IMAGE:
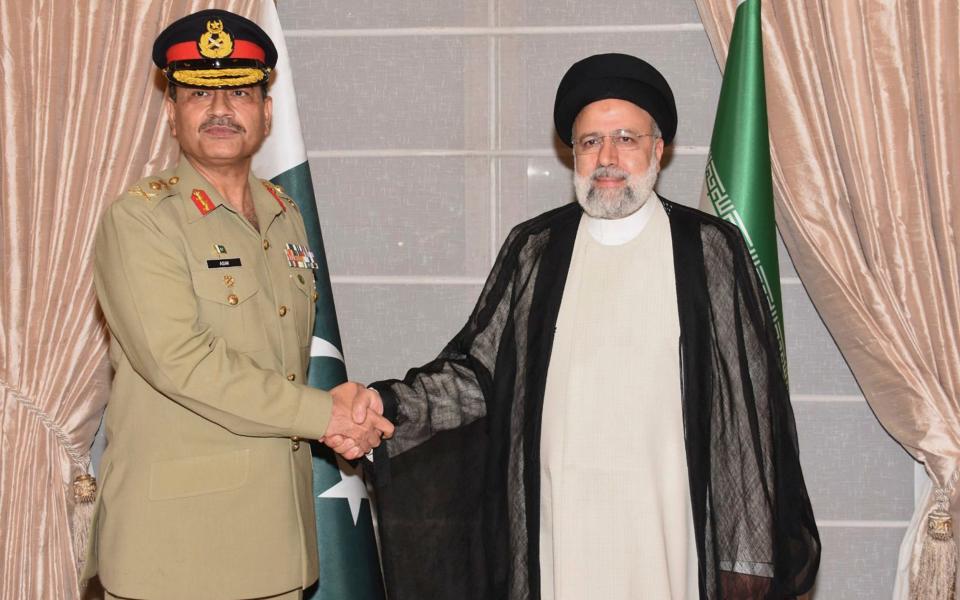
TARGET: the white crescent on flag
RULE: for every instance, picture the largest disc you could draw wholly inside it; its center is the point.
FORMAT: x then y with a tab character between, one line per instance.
321	347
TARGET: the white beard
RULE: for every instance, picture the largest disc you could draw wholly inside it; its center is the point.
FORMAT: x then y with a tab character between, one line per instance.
616	203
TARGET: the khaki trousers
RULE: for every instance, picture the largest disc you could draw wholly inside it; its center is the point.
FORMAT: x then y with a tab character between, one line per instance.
292	595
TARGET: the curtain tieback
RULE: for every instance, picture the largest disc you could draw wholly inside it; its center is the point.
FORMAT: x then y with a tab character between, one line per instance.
84	485
935	578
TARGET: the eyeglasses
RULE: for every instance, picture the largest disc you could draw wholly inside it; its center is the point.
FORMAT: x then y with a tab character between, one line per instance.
623	140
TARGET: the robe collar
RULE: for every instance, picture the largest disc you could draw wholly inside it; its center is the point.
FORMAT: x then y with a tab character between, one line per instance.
616	232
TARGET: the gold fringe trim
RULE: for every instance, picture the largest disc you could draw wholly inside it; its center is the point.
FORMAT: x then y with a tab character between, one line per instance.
935	578
217	77
84	494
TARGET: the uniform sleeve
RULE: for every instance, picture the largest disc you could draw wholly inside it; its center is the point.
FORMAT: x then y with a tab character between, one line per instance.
147	296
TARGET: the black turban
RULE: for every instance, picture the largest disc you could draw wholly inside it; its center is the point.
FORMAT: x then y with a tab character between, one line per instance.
619	76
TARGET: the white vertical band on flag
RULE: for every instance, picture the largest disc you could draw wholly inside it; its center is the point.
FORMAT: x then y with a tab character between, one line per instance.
284	148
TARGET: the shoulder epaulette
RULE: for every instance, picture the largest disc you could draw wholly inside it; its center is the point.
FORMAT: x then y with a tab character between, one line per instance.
153	188
278	193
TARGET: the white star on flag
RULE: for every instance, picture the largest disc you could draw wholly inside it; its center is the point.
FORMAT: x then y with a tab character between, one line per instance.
351	487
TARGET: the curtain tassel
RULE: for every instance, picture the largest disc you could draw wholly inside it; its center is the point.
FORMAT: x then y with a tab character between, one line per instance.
935	578
84	494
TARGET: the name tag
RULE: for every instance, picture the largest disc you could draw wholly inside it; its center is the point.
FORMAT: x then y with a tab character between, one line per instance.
219	263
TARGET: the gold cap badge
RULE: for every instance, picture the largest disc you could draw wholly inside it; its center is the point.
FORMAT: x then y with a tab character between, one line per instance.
215	43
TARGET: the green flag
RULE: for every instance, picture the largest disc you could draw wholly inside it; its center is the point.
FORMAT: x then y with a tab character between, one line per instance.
349	564
738	184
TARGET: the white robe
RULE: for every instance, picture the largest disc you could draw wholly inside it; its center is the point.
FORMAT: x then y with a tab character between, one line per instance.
615	516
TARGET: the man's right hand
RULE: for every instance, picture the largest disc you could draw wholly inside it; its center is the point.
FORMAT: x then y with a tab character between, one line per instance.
356	424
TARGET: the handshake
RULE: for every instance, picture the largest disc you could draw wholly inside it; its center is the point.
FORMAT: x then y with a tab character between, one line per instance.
356	423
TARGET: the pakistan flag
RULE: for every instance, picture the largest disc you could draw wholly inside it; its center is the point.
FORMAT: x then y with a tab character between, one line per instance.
349	567
738	184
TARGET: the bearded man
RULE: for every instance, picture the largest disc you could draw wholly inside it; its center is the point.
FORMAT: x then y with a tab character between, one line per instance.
612	421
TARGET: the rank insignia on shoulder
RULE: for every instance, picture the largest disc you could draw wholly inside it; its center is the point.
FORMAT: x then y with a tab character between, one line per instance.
139	191
300	257
202	201
273	192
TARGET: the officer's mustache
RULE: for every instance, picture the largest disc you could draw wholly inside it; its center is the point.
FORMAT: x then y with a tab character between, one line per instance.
222	122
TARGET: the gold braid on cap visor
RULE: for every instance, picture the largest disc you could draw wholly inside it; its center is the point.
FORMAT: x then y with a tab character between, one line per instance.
239	76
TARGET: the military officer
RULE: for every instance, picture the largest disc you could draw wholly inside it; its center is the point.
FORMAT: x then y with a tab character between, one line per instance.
206	281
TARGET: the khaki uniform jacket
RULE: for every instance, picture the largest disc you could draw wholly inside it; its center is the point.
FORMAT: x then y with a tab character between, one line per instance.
203	493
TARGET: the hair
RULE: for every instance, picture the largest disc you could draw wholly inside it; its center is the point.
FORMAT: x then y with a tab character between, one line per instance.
172	90
656	130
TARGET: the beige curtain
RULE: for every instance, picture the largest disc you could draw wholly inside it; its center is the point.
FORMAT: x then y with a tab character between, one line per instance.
79	120
863	98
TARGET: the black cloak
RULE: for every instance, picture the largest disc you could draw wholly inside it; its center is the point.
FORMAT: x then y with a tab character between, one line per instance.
458	485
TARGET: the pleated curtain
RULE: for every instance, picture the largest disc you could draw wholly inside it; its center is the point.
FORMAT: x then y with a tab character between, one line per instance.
863	99
80	119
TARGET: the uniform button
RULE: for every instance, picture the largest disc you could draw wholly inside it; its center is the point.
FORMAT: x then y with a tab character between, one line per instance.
232	299
314	295
283	311
174	180
295	442
266	244
291	376
155	185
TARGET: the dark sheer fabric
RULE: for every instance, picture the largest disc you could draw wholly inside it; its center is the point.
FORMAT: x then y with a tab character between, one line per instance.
458	486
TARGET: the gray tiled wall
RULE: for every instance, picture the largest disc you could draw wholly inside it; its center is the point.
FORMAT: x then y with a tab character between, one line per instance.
429	128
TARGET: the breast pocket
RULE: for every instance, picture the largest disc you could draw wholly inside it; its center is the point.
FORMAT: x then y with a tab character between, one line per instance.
304	303
228	301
